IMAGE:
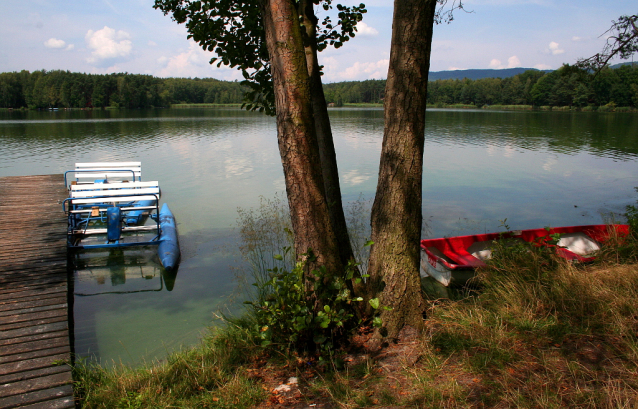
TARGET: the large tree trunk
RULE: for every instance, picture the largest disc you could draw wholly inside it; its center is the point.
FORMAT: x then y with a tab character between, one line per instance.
323	129
396	212
296	136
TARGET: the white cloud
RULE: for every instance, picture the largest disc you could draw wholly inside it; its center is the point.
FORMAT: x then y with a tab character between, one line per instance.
195	62
555	49
152	43
354	178
365	30
108	44
495	64
54	43
576	38
542	67
512	62
366	70
456	68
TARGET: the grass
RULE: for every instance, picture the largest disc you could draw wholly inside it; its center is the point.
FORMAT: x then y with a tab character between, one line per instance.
535	332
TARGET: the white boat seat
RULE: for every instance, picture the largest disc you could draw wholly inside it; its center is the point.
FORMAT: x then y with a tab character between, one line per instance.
108	170
114	189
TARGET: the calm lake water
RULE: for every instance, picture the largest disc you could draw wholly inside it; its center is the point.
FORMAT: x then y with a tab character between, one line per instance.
534	168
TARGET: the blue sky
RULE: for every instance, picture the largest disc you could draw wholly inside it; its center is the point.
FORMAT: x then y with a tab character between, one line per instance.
105	36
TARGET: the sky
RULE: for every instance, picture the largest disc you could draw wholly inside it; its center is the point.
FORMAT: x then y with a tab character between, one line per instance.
108	36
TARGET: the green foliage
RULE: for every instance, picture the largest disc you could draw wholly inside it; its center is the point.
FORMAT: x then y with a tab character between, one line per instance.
63	89
234	29
567	86
632	219
305	312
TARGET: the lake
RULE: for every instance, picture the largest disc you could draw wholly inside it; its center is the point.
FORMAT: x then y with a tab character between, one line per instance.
534	169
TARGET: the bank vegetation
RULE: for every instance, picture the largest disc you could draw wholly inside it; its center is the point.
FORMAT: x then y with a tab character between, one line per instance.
568	88
531	331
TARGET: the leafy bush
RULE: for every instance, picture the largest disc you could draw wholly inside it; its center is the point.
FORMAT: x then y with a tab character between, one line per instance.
305	314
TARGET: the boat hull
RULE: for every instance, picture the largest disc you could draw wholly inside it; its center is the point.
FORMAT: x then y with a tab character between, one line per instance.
453	260
168	249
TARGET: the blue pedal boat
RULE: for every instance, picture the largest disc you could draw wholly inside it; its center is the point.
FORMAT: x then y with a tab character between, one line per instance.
106	214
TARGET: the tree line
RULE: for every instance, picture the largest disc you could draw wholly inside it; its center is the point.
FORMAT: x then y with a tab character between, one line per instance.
64	89
567	86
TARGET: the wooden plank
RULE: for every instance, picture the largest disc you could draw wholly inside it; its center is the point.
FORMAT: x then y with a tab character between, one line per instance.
66	402
15	294
37	396
34	314
37	354
8	351
7	308
34	373
25	324
32	331
40	307
33	363
31	337
44	382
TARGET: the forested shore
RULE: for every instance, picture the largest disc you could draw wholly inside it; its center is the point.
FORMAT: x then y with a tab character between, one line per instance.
566	87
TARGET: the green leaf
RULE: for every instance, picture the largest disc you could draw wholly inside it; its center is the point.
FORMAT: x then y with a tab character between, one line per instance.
368	243
326	308
377	322
374	303
278	257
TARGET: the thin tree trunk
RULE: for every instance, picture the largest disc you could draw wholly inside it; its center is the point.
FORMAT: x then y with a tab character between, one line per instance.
296	136
396	212
323	130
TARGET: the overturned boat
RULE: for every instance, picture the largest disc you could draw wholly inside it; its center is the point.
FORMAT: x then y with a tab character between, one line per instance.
453	260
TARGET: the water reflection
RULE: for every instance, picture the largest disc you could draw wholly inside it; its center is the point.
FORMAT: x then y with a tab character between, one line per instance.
533	168
119	271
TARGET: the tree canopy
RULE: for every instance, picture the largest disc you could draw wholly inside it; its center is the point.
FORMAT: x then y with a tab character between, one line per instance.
622	40
233	30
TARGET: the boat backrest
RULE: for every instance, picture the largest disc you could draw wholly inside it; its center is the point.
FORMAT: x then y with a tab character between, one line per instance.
116	171
114	192
115	189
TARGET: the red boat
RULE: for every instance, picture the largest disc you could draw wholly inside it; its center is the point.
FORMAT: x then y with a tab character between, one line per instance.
453	260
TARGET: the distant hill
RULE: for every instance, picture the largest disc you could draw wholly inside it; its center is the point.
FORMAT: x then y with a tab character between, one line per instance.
623	63
476	74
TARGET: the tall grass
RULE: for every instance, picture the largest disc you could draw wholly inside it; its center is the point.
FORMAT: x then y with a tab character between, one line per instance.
544	333
211	375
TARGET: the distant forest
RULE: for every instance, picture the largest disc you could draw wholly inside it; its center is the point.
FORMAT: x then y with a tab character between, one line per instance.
566	87
64	89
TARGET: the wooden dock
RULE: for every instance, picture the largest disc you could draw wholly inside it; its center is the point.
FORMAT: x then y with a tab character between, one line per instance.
35	349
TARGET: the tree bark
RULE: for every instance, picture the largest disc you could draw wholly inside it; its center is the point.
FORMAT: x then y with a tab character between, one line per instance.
396	212
323	130
296	136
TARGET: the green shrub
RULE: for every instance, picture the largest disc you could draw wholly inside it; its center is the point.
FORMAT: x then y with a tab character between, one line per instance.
308	314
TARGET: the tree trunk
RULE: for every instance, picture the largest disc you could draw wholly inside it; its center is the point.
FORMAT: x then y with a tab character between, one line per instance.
323	130
296	136
396	212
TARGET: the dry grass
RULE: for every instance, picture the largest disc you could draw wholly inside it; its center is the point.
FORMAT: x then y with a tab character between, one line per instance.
538	333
